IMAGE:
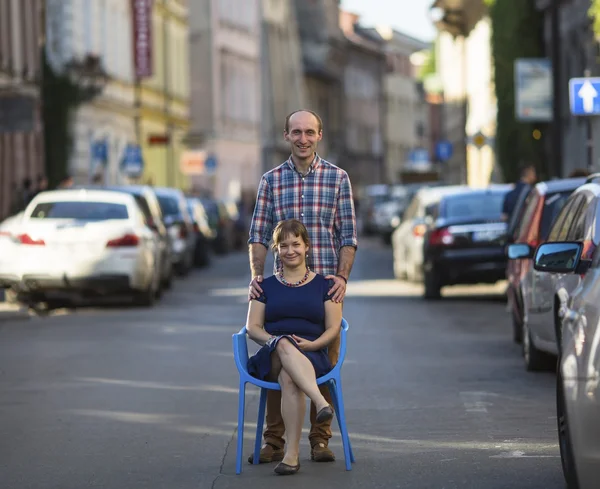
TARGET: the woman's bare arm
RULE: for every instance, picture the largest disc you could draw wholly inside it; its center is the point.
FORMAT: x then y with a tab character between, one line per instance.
255	322
333	324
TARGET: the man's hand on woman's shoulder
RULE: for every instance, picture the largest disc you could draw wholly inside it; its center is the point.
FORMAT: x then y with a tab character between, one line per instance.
254	289
338	290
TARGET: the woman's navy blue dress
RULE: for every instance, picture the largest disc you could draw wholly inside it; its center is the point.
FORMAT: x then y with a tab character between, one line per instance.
293	310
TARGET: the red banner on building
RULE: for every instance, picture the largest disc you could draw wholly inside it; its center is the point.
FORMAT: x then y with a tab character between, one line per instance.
141	11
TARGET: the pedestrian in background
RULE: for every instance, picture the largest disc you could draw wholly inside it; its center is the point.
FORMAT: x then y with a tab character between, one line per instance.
318	194
528	177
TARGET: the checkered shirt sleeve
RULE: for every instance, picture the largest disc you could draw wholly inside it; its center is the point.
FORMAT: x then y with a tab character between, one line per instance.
261	227
345	218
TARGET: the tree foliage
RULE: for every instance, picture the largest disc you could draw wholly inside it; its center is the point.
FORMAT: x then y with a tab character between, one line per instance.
594	13
60	98
516	33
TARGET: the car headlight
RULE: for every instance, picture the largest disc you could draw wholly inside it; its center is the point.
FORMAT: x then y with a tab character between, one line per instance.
395	221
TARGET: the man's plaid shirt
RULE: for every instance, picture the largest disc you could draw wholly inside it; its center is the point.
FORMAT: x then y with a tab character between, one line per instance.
321	200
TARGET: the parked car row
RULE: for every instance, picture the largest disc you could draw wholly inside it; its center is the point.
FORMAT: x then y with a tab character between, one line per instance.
554	298
550	255
93	241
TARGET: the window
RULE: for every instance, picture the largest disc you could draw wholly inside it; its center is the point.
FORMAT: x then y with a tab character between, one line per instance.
525	221
563	222
578	230
552	206
479	205
80	210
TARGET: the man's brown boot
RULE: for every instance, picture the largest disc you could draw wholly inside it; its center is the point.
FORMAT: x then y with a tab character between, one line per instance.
320	452
268	453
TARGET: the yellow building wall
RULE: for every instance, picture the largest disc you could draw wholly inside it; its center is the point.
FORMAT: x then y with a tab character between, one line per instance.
165	97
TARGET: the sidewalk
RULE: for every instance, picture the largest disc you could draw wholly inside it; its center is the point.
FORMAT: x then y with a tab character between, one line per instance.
9	312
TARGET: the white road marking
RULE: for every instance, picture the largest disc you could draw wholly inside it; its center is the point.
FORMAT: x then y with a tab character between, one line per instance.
521	454
474	401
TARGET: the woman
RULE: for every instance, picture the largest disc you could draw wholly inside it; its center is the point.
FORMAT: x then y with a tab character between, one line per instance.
295	320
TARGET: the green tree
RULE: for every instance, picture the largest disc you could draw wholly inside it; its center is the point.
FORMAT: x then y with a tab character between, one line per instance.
594	13
59	96
516	33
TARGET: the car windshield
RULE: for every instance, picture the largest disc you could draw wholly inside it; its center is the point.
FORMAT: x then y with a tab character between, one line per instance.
169	206
80	210
476	205
552	206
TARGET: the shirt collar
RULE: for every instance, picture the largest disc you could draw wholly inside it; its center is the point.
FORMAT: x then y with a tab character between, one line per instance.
315	162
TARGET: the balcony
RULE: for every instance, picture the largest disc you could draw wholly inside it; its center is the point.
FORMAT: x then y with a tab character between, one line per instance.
458	17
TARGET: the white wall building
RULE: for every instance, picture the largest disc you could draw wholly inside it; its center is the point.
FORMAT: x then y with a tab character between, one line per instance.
406	110
225	62
103	28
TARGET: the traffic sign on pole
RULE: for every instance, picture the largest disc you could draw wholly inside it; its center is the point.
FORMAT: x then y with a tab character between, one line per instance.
584	96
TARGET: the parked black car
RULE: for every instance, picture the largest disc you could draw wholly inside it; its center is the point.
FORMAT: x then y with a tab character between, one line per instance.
464	241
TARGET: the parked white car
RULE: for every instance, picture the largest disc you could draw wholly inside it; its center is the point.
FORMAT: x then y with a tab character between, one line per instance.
89	242
9	229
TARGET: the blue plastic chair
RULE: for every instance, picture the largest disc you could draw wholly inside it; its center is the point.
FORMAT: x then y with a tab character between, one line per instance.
333	379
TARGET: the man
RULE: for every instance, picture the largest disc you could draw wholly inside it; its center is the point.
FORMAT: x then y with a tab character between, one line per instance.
312	190
527	179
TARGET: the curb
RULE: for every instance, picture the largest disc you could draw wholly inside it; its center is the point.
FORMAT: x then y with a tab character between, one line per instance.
11	312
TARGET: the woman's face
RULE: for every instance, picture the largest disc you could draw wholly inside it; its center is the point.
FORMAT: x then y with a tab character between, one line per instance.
292	250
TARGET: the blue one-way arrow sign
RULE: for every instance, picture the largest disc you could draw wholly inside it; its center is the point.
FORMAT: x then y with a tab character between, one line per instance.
584	95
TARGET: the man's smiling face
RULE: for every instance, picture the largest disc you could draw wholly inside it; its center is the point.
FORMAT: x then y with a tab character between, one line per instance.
303	134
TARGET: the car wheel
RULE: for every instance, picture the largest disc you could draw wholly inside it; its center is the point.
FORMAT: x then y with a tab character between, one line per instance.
564	436
535	360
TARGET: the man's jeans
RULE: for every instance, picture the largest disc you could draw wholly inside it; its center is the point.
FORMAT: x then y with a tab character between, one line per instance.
319	432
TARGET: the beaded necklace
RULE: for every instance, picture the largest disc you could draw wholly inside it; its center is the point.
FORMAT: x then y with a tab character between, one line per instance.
295	284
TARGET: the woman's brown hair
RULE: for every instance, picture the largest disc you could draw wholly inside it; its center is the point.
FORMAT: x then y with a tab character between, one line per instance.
290	227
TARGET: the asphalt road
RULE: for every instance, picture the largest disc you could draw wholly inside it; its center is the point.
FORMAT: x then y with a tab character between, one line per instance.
436	393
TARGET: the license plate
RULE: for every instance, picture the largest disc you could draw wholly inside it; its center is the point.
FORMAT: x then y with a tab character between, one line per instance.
485	235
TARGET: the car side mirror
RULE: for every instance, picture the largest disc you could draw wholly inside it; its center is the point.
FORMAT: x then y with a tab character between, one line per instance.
518	251
558	257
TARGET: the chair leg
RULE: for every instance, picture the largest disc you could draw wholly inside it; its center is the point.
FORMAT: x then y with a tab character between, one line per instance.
338	400
259	425
240	431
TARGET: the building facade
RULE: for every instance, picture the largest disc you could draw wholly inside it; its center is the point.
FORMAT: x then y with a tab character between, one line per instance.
151	113
77	31
225	60
463	54
283	87
406	110
21	129
164	97
577	51
364	115
323	61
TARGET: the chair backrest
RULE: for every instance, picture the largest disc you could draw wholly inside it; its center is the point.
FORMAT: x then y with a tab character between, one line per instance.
240	350
343	333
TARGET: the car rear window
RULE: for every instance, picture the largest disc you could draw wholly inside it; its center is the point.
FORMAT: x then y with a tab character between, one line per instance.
81	210
552	206
169	206
488	205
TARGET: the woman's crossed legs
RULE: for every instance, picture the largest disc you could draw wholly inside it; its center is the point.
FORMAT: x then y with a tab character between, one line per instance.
296	376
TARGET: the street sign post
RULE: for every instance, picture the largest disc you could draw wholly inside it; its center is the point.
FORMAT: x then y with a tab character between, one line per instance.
584	98
132	163
584	95
443	150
